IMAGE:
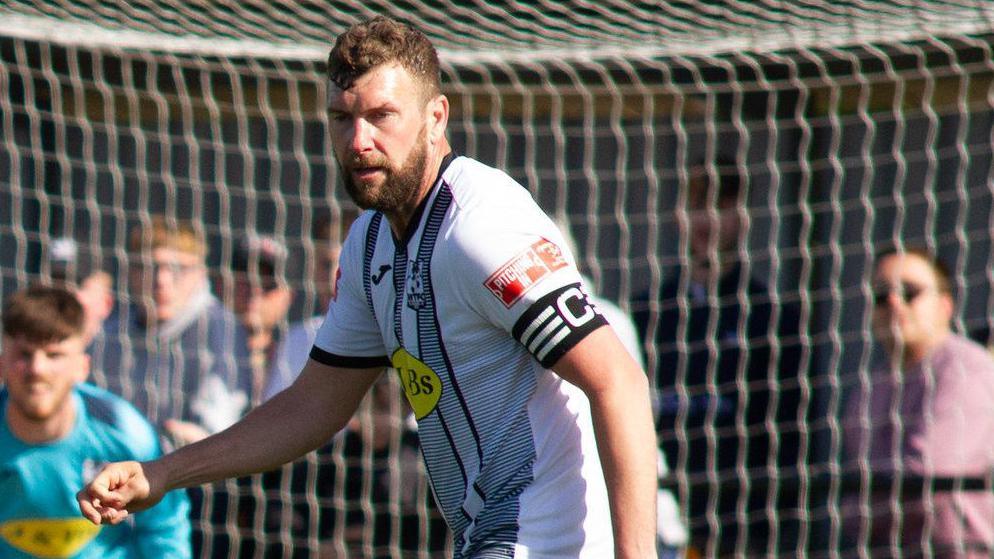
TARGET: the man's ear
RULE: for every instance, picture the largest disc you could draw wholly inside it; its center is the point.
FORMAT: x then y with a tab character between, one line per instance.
84	368
948	306
438	118
106	304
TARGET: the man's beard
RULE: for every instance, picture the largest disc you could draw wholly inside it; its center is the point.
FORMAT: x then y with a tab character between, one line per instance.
399	187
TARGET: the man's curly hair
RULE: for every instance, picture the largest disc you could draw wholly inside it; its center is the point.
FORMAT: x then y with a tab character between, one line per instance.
382	40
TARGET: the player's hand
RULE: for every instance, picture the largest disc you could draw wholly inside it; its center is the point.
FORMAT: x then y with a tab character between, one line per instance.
118	490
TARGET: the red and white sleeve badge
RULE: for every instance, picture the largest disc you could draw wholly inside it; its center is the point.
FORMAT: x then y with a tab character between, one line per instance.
525	270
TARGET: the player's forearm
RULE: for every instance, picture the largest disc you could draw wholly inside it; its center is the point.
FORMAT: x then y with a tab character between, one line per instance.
627	445
259	442
289	425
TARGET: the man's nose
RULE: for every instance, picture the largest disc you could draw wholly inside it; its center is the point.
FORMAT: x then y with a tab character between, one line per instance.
37	363
362	136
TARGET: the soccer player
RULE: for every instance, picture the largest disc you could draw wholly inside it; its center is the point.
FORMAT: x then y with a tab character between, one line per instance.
534	420
54	433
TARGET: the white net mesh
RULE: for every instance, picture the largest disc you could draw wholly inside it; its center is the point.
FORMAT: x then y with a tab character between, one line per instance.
849	124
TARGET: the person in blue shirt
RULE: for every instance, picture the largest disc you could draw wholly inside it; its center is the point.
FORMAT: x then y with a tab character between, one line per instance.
56	431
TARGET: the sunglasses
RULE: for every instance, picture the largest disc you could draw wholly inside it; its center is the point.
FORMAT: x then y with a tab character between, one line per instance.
908	292
263	280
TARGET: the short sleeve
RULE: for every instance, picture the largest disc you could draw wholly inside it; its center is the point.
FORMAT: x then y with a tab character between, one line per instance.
350	335
521	277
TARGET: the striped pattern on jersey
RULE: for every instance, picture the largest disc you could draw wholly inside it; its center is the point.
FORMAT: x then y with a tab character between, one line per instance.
448	436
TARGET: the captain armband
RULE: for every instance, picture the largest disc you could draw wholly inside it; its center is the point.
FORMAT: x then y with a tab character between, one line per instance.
557	322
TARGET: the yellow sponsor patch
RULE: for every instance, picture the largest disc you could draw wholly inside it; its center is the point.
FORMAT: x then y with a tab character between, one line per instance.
49	537
422	386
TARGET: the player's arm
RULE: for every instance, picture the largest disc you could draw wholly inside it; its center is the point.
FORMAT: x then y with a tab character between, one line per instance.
618	391
296	421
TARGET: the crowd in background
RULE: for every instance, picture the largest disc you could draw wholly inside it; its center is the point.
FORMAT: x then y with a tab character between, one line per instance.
195	348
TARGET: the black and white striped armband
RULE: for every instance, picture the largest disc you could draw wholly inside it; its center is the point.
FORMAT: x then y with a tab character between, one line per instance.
557	322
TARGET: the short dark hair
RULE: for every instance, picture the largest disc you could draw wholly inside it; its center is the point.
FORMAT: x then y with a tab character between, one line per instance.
264	255
382	40
43	314
944	278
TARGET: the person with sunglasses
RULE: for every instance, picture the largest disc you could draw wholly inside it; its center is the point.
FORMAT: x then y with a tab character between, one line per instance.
923	422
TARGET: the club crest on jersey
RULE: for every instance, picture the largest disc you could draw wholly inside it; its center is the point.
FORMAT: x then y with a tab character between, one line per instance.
416	297
524	270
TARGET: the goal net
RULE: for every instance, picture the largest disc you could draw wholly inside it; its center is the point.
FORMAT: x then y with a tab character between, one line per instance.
847	126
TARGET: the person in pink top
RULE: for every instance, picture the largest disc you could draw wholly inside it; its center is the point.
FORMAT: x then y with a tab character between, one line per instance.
925	419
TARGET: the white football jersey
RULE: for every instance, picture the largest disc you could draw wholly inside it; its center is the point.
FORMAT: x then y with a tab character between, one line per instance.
471	307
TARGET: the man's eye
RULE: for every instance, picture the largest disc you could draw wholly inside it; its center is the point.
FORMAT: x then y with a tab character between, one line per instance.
379	115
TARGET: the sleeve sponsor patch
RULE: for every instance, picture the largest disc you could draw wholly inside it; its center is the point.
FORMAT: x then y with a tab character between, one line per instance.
556	323
523	271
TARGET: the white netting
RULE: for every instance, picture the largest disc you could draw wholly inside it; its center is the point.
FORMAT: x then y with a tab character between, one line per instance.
851	124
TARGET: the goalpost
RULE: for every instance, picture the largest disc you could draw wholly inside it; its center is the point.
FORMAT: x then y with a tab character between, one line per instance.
852	124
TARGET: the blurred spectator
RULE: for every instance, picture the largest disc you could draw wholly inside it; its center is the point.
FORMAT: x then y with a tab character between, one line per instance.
726	359
328	233
94	287
261	299
928	412
175	351
56	430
